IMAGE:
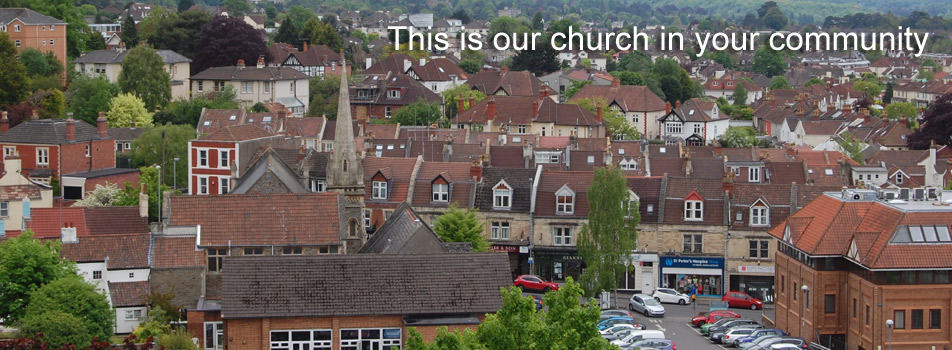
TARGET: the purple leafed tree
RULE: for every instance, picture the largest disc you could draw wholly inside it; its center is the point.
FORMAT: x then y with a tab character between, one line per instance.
224	40
936	125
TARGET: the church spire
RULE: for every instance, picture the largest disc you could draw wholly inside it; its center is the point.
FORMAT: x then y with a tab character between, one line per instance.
345	170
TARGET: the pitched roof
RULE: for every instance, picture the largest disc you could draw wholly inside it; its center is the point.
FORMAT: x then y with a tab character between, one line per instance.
552	181
27	16
456	175
506	157
260	219
169	252
520	180
697	110
629	97
129	293
514	83
362	284
49	132
127	251
18	192
250	73
404	232
116	56
309	127
88	221
125	134
236	133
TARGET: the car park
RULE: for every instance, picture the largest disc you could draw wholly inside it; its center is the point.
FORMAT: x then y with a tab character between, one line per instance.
616	328
733	334
610	322
712	317
616	313
728	324
797	342
661	344
705	328
742	300
717	335
773	332
762	341
644	304
670	296
534	283
638	335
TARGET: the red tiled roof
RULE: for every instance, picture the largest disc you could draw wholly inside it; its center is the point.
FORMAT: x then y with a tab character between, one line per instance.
382	131
305	127
260	219
123	251
238	133
129	293
170	252
629	97
47	222
457	174
396	170
506	157
213	120
552	181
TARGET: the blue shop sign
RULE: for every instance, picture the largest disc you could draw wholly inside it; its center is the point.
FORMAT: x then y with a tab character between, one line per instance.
692	262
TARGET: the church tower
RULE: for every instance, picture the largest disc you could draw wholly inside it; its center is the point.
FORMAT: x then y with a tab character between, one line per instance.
345	173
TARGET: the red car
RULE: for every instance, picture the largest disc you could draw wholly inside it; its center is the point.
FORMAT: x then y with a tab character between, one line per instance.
741	299
534	283
712	317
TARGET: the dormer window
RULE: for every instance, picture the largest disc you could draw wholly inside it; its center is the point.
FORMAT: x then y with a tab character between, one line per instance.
759	214
393	93
565	201
753	174
441	190
693	207
379	190
899	178
502	196
714	83
631	206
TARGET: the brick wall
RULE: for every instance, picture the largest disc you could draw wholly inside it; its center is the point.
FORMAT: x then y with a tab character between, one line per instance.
74	159
255	333
28	157
120	179
33	36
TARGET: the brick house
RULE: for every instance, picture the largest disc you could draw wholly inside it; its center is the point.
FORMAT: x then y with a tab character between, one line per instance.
561	209
376	298
49	148
504	204
379	97
640	107
847	263
217	160
313	61
31	29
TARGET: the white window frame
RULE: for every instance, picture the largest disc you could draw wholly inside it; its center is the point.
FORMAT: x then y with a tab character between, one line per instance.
379	343
565	201
319	186
88	151
563	236
311	343
17	43
223	185
224	159
9	151
693	210
521	129
500	230
202	185
502	197
200	86
217	341
388	112
133	315
247	87
393	94
379	190
441	192
267	87
753	174
43	156
698	128
673	127
759	215
202	158
16	28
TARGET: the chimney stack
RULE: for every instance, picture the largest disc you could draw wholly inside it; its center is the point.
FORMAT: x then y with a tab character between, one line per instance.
903	121
677	104
305	47
503	70
70	127
102	125
4	122
598	112
406	65
615	82
241	63
260	62
667	107
472	100
423	61
459	105
535	110
476	171
143	201
491	109
34	115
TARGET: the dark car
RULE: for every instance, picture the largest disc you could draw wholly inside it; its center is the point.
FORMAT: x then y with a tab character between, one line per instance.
660	344
534	283
615	313
608	322
741	299
773	332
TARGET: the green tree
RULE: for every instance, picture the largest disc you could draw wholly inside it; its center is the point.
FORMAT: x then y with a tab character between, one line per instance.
130	33
517	322
740	95
452	95
457	225
127	110
57	328
87	96
541	61
73	296
870	88
287	33
926	75
323	91
13	74
258	108
739	137
176	339
39	64
618	126
775	19
184	5
147	150
852	147
538	23
612	230
26	264
148	27
143	75
470	66
177	32
888	95
322	33
897	109
577	86
768	62
813	81
51	102
419	113
187	111
237	8
779	83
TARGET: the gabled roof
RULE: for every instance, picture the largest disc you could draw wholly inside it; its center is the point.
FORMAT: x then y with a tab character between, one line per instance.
519	179
629	97
49	132
126	294
238	133
553	181
363	285
395	63
265	162
125	251
116	56
27	16
514	83
249	73
260	219
125	134
396	170
404	232
457	175
88	221
309	127
696	110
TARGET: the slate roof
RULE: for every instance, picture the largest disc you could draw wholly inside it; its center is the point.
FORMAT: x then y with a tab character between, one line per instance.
514	83
125	134
506	157
309	127
552	181
27	16
678	188
169	252
362	284
648	190
48	132
410	91
404	229
129	251
629	97
126	294
89	221
115	56
260	219
250	73
396	170
519	179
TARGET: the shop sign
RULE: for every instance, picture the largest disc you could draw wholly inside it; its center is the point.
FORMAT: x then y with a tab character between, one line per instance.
523	250
692	262
567	257
504	248
756	269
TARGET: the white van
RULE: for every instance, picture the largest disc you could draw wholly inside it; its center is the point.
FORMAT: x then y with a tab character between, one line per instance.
639	335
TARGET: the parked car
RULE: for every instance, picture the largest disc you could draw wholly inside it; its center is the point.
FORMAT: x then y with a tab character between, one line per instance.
717	331
660	344
616	313
741	299
705	328
538	302
644	304
670	296
618	328
637	336
773	332
784	346
712	317
534	283
610	322
730	335
765	343
620	334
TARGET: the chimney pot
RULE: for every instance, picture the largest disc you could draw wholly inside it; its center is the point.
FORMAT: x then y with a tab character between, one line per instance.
667	107
903	120
598	112
70	128
472	100
102	125
241	63
535	110
460	107
261	62
34	115
677	104
4	122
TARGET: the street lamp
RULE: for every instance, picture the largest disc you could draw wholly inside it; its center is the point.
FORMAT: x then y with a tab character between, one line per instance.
174	175
803	307
889	324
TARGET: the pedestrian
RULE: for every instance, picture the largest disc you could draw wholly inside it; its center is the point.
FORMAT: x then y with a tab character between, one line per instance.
693	291
700	288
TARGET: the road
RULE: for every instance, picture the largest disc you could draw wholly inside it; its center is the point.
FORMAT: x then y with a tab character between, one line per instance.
676	324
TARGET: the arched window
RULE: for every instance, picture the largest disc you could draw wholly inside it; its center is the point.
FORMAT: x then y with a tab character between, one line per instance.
344	165
352	226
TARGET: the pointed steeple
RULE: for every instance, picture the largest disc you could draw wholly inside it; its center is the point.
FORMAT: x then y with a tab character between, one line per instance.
345	170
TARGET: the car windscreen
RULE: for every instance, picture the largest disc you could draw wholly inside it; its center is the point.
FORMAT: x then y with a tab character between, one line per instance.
651	302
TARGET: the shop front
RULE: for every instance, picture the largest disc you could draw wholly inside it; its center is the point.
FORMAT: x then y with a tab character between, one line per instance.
518	258
557	264
756	280
642	273
686	273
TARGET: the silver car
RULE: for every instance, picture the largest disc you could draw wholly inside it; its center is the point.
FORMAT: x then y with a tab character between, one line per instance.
645	304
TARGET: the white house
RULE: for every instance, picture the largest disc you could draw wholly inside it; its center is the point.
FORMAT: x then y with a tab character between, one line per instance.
18	194
259	83
697	122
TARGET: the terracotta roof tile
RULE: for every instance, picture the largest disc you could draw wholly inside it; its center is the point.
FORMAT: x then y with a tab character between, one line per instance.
169	252
552	181
238	133
507	157
461	186
129	293
630	98
397	171
47	222
123	251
